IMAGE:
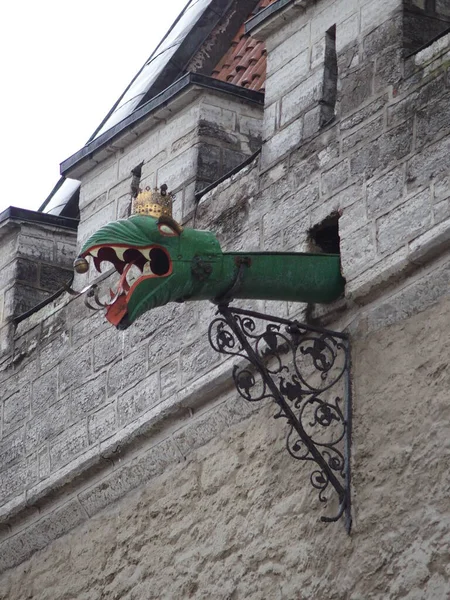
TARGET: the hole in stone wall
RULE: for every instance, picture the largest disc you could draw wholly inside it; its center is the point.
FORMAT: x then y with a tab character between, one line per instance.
136	175
423	22
324	237
330	77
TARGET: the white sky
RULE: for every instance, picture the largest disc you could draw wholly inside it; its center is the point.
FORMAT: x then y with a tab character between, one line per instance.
63	65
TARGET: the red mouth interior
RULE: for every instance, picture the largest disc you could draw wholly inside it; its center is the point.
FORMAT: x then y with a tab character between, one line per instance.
151	261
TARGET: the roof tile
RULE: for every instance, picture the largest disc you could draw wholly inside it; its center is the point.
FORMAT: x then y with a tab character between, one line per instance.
244	63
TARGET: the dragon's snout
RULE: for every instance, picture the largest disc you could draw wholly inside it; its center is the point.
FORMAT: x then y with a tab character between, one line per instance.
134	264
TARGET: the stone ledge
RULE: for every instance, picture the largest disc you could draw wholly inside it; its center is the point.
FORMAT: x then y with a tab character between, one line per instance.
194	396
35	531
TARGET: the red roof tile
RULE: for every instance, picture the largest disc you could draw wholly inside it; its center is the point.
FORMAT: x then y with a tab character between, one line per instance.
244	63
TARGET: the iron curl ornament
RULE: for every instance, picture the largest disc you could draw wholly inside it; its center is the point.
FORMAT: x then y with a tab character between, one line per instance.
305	370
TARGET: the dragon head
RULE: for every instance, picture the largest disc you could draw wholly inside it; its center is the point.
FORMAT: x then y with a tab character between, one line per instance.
158	262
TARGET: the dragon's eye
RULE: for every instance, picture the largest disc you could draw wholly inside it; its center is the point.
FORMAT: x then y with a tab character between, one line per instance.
167	230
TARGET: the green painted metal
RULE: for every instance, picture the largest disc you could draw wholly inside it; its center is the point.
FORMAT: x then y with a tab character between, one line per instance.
198	269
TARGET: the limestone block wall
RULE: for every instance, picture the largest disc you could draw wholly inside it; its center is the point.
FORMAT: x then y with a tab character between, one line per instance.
224	512
162	481
188	150
35	261
381	165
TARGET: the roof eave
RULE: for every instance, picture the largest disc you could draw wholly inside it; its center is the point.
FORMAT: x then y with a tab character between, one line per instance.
272	17
174	98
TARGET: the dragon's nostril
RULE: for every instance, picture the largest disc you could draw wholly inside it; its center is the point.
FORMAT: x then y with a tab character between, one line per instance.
159	262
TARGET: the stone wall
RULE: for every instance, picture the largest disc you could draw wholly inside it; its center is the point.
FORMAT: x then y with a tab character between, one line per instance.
235	516
175	488
188	149
35	261
382	164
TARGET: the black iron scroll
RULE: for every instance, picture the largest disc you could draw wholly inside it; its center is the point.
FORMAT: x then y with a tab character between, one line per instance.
305	370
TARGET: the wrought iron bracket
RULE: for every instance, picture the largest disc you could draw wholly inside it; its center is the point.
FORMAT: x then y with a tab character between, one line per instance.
305	370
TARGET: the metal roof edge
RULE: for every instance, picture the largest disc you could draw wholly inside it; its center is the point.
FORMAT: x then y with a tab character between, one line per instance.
159	101
274	14
32	216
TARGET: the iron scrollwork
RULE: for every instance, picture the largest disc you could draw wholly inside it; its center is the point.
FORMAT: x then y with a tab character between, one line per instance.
305	370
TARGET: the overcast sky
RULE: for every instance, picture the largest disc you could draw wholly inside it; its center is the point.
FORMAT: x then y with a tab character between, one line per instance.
63	66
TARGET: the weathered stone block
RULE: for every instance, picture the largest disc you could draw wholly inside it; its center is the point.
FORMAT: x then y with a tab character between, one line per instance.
283	79
88	396
170	375
281	143
386	192
44	391
127	372
209	162
98	183
416	297
12	447
101	217
270	120
73	367
356	88
431	243
102	423
36	248
138	399
196	359
178	171
18	548
313	120
230	160
365	113
427	165
374	14
352	217
357	251
67	445
26	270
382	37
107	347
41	428
401	224
12	480
16	409
52	352
288	50
302	98
363	134
335	177
129	476
223	117
433	121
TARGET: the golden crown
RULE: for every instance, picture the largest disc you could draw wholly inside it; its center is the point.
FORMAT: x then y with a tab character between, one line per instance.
156	203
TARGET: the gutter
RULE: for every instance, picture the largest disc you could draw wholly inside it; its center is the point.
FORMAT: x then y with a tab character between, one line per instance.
32	216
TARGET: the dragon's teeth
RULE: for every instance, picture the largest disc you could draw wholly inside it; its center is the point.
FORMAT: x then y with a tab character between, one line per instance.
97	264
147	270
145	252
120	251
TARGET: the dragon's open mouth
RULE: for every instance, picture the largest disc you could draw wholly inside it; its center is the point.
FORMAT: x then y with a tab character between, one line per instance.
134	265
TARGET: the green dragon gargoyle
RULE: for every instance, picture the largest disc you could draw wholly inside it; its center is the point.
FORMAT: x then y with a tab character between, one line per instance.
160	262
